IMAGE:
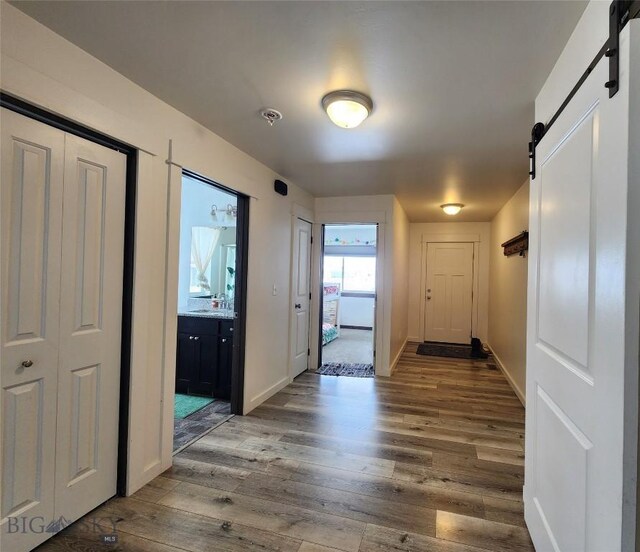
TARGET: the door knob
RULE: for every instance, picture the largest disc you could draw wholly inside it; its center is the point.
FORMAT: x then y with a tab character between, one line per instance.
428	297
224	341
196	338
27	363
190	337
298	306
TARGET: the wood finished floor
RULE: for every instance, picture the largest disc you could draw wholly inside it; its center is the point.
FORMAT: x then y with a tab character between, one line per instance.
430	459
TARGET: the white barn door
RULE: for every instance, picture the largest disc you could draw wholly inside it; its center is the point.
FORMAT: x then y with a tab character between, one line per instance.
576	324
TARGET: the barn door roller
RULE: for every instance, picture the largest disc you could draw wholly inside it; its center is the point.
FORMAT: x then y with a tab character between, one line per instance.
620	13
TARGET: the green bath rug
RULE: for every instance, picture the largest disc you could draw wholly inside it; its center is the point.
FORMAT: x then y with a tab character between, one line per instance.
185	405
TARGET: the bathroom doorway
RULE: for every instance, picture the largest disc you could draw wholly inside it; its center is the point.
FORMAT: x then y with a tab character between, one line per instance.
211	307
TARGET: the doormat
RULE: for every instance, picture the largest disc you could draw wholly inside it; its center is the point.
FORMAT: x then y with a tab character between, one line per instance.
185	405
450	351
347	369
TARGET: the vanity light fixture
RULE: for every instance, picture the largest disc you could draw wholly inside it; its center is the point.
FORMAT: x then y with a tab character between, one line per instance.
229	213
346	108
452	208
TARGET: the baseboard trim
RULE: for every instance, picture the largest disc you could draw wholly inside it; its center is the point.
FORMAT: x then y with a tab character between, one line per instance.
394	364
507	375
266	394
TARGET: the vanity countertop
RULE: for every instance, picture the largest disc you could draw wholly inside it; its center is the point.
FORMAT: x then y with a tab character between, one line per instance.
207	314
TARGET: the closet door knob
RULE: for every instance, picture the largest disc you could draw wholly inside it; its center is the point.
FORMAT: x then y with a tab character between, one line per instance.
196	338
190	337
27	363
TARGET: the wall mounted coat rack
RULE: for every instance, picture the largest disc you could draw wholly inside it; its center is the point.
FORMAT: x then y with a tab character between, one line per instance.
518	245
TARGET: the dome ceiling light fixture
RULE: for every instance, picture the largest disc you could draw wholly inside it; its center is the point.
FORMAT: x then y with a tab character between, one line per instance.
452	208
346	108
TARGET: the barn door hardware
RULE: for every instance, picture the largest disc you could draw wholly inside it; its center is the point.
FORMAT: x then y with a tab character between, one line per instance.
620	13
537	132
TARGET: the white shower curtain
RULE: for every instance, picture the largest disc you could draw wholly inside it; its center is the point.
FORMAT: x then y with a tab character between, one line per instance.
204	240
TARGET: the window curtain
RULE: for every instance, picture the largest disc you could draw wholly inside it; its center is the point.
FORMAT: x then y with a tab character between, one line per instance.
204	240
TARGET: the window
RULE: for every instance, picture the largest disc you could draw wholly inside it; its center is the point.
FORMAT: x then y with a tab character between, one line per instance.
352	273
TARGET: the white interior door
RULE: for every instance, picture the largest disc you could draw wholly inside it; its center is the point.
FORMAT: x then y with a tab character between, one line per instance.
576	324
90	327
31	210
301	295
449	292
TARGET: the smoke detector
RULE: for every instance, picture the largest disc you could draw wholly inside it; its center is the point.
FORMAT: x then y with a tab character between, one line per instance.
270	115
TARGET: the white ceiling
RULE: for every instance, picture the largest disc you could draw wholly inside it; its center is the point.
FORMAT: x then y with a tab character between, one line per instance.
453	85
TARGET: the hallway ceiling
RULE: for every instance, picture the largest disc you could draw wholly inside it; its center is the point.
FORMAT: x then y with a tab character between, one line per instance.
453	85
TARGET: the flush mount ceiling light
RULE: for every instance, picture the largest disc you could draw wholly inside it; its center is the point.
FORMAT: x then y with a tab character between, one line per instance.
452	208
347	108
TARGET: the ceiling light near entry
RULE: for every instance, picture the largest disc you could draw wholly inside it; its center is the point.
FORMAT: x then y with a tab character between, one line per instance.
347	108
452	208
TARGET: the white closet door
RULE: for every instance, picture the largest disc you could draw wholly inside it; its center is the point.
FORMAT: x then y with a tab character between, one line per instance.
31	210
90	327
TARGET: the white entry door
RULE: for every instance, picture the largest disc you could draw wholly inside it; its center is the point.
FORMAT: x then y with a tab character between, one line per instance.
62	272
449	292
301	295
575	412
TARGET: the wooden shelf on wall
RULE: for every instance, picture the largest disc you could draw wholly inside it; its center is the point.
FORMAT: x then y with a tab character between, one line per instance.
517	245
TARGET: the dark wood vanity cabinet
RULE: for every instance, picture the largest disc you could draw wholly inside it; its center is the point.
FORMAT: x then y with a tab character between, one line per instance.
204	355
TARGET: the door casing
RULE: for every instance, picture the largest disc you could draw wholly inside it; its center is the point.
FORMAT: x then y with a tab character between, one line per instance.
240	296
294	276
33	112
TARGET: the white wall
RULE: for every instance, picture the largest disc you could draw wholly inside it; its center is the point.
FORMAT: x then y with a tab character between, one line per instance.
399	281
508	292
416	264
357	311
47	70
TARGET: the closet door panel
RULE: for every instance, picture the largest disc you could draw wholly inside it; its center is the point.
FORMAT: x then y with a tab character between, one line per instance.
90	327
30	249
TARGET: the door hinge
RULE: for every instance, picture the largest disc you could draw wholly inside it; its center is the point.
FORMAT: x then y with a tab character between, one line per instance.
311	239
308	352
309	295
